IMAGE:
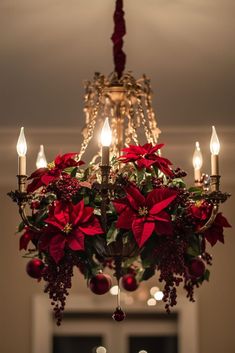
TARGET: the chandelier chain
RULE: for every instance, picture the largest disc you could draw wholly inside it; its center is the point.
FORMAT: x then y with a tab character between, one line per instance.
119	56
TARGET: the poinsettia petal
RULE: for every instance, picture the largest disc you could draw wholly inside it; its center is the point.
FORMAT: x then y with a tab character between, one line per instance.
38	173
56	247
222	221
24	240
120	205
145	163
87	214
47	178
158	199
156	147
161	216
77	212
34	185
138	150
142	230
76	240
135	198
92	228
61	213
125	219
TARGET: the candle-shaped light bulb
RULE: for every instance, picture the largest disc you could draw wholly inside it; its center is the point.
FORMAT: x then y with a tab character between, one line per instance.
197	163
106	134
41	161
214	144
21	148
215	148
106	139
197	157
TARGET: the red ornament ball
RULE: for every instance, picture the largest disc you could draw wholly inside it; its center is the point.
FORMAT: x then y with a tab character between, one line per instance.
197	268
118	314
100	284
129	282
34	268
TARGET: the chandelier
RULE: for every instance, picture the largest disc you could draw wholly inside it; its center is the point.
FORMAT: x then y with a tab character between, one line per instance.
128	213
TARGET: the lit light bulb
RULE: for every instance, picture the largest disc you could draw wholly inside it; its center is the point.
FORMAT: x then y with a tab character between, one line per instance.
215	148
106	134
197	157
214	144
21	146
41	161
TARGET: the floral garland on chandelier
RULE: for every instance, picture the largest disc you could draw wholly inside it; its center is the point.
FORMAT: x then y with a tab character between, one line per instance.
152	214
132	215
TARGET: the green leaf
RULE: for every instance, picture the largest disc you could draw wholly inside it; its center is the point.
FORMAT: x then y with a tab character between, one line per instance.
148	273
178	182
140	175
21	227
207	275
86	200
112	233
196	191
74	172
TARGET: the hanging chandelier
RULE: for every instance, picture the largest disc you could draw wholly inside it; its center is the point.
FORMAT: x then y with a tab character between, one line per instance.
128	213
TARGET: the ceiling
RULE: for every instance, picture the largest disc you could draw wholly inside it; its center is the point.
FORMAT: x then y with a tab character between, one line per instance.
49	47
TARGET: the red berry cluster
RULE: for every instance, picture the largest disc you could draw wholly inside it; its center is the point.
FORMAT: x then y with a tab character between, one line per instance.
65	188
59	280
169	254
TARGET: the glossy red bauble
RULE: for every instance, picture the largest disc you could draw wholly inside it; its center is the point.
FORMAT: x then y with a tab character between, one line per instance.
129	282
34	268
100	284
197	268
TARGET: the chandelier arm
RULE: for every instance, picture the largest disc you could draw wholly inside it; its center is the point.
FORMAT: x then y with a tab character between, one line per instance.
211	220
119	56
25	219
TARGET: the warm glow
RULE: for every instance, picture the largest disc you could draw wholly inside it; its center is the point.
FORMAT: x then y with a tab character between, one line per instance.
214	144
151	302
153	290
159	295
101	349
41	161
21	146
114	290
143	351
197	157
106	134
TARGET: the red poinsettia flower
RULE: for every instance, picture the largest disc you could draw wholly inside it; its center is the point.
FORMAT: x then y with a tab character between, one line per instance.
44	176
68	225
215	232
146	156
144	215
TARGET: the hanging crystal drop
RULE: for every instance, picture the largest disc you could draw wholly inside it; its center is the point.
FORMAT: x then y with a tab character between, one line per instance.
118	314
